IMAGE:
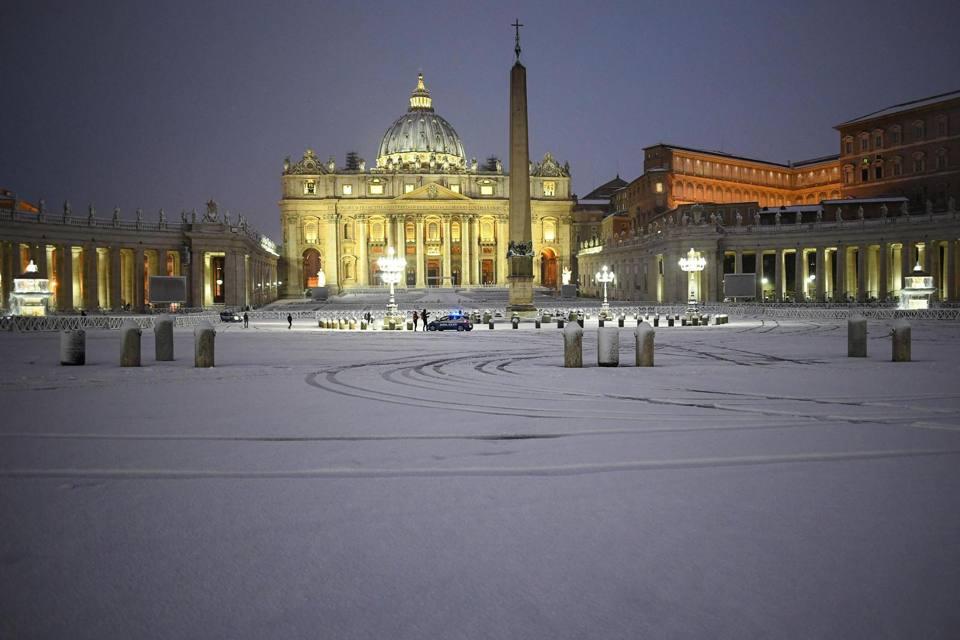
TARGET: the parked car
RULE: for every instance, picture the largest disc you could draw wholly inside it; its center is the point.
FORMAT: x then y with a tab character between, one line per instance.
460	323
230	316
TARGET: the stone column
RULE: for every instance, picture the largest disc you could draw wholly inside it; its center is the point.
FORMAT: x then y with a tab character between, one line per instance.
447	248
466	250
862	273
906	261
778	276
64	277
738	262
521	223
229	278
759	274
115	286
799	279
421	269
331	258
502	242
821	274
196	278
363	267
953	290
90	280
883	259
840	286
138	276
933	266
7	271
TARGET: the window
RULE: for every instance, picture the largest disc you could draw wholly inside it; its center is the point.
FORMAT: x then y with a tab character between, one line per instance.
549	230
486	231
455	187
941	127
455	232
433	232
348	189
878	140
895	135
864	173
941	160
376	189
848	146
346	231
897	167
486	189
410	232
919	164
878	172
407	188
310	187
659	187
376	232
918	130
864	142
549	188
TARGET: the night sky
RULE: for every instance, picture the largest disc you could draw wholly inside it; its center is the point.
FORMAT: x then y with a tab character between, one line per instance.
163	104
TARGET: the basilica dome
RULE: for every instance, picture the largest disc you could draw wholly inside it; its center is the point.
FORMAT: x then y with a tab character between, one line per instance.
421	140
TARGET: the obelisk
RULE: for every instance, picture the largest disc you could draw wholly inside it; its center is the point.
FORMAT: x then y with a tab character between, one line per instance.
520	249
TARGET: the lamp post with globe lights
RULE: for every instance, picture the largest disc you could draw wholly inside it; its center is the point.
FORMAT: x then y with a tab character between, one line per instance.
693	263
604	276
391	267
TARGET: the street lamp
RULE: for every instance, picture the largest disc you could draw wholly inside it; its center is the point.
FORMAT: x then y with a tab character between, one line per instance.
605	276
390	269
693	263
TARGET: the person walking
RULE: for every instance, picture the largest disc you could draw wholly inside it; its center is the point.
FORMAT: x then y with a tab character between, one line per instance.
246	320
416	318
424	315
289	321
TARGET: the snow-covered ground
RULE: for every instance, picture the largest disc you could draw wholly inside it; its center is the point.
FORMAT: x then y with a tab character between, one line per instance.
756	483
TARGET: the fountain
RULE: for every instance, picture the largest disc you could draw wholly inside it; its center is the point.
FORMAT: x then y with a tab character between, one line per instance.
31	293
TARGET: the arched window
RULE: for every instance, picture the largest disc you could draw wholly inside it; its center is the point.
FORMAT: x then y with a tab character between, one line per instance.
376	231
878	138
433	232
864	141
486	230
455	232
941	159
310	232
410	231
942	131
549	230
919	162
848	174
918	130
699	192
848	145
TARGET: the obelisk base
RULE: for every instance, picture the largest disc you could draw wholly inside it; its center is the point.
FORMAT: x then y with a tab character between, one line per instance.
521	287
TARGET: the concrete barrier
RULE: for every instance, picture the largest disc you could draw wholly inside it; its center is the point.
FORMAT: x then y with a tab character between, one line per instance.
130	333
573	346
73	347
644	337
163	338
608	347
856	336
901	340
204	336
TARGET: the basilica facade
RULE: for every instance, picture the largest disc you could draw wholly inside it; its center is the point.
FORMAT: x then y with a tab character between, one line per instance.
447	215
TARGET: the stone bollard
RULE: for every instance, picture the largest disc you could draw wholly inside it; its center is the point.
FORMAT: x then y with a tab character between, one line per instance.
580	321
856	336
515	321
537	323
486	318
203	342
163	338
392	325
901	340
571	316
547	318
644	335
490	324
73	347
600	321
363	325
409	325
572	346
683	321
695	321
620	321
352	325
559	323
608	347
130	344
656	321
669	321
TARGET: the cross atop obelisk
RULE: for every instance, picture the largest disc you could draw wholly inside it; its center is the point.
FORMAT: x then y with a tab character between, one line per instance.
520	248
516	48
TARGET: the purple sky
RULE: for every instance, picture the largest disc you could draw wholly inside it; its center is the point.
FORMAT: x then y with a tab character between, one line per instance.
164	104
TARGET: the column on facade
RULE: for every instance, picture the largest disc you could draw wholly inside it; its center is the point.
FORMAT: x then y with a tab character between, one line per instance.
503	238
932	262
840	286
90	300
821	273
758	270
115	287
906	260
778	276
466	250
363	266
138	276
738	261
7	271
421	275
400	237
64	277
331	257
447	250
799	279
196	279
862	273
953	293
229	278
883	259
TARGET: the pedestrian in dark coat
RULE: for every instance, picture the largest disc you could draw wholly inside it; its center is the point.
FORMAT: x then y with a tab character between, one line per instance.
424	315
246	320
289	321
416	318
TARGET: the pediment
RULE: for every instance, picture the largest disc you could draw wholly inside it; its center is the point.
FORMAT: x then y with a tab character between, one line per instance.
432	191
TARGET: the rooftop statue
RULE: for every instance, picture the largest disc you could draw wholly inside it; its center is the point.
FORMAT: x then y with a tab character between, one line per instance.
212	213
116	216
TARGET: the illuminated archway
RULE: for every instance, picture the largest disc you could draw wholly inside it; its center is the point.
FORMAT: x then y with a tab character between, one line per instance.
548	268
312	263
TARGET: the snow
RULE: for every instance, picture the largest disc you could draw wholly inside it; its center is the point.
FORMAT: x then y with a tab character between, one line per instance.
755	483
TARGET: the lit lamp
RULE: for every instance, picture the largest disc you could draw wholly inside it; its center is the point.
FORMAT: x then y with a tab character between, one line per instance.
693	264
604	276
390	269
